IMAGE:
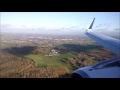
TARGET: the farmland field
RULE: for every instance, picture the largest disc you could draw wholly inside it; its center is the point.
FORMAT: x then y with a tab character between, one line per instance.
23	56
44	61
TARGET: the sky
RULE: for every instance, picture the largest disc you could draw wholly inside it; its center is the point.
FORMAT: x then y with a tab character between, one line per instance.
57	21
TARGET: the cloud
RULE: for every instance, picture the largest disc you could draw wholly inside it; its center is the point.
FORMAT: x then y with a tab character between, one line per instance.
99	25
75	30
105	26
117	29
5	26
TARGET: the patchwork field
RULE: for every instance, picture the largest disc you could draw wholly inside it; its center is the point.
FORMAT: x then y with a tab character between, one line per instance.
24	57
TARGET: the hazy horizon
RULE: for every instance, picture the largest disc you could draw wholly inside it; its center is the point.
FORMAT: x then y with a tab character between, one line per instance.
59	23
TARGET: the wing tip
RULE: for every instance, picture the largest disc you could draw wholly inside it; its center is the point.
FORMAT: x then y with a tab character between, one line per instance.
89	29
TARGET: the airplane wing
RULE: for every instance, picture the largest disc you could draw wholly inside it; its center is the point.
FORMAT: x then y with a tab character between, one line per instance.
105	69
108	42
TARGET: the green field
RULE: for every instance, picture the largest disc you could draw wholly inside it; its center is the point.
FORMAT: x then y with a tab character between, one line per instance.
43	61
94	62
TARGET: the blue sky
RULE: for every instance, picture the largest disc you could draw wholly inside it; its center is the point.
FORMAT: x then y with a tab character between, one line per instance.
60	20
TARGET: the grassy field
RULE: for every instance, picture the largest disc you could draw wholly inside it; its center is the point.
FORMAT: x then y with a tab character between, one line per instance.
94	62
43	61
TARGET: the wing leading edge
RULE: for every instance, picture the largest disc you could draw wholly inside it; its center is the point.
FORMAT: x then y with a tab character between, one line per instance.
108	42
